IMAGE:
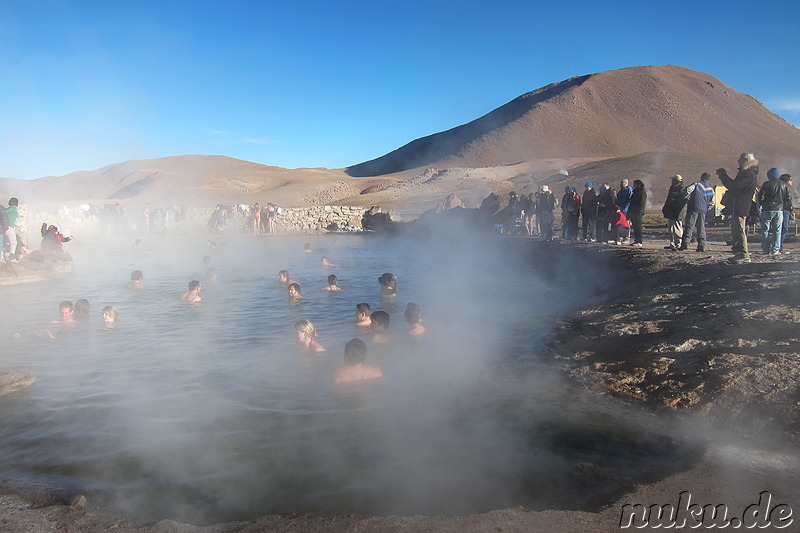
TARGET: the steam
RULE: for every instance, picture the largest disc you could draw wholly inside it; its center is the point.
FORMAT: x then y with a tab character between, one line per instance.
207	413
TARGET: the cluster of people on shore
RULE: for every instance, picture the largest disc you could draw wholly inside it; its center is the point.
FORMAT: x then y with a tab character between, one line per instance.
614	217
607	216
686	208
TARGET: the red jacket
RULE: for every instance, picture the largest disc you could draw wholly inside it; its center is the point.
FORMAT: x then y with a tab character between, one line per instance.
619	219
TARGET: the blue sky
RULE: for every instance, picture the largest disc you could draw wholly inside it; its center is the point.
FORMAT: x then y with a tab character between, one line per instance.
84	84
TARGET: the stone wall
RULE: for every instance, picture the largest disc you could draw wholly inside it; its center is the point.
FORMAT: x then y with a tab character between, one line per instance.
89	221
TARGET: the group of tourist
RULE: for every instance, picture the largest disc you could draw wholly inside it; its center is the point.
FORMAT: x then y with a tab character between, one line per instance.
686	208
607	216
263	218
612	217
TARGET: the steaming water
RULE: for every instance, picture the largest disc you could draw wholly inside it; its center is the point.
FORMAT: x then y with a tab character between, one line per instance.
210	413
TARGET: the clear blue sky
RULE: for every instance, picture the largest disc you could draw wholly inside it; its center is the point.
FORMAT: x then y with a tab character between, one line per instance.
309	83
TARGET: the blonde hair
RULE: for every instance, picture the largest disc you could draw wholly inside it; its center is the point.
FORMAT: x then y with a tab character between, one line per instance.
111	311
305	326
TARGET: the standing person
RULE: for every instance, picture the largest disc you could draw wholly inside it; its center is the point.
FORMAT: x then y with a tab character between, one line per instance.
605	208
530	215
701	198
545	212
674	211
742	188
146	218
256	219
788	209
624	195
589	212
3	230
11	233
772	197
566	207
636	211
272	214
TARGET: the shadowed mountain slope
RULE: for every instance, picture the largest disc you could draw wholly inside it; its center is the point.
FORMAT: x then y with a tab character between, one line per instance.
610	114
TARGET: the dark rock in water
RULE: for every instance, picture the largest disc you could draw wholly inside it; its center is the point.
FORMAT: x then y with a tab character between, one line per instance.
13	380
36	266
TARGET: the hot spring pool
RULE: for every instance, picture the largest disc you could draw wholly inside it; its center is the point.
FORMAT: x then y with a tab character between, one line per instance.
210	413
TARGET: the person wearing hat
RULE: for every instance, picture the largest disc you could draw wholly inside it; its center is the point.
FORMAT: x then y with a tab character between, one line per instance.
545	211
589	212
772	197
742	188
788	209
674	211
700	197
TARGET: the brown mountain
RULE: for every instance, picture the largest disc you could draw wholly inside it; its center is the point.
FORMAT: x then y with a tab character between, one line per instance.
640	122
611	114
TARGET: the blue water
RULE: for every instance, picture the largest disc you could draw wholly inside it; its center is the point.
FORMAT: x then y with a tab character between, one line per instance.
211	412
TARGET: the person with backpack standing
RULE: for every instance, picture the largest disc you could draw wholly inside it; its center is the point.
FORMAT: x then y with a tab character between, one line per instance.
674	211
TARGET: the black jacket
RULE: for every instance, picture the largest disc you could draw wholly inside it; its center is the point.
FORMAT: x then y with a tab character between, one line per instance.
675	204
773	195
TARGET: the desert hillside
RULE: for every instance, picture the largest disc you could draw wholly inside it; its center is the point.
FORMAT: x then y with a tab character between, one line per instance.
640	123
610	114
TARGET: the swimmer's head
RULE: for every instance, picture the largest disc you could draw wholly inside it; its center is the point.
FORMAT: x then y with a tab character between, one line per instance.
82	308
194	285
136	275
355	352
294	289
305	328
412	314
363	309
211	273
110	314
380	320
283	276
65	309
332	280
386	279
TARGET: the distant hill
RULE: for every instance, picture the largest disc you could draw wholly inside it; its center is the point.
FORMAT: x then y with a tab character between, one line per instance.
640	123
611	114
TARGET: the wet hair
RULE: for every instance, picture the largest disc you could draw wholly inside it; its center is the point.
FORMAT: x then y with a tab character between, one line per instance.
82	308
363	308
295	286
386	278
380	318
283	273
307	246
66	304
194	284
13	201
355	352
111	311
305	326
136	275
332	279
412	313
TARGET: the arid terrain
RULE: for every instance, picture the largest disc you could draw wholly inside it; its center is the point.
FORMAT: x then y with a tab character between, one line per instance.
684	333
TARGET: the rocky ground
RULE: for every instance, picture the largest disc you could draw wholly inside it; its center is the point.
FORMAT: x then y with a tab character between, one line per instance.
685	332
